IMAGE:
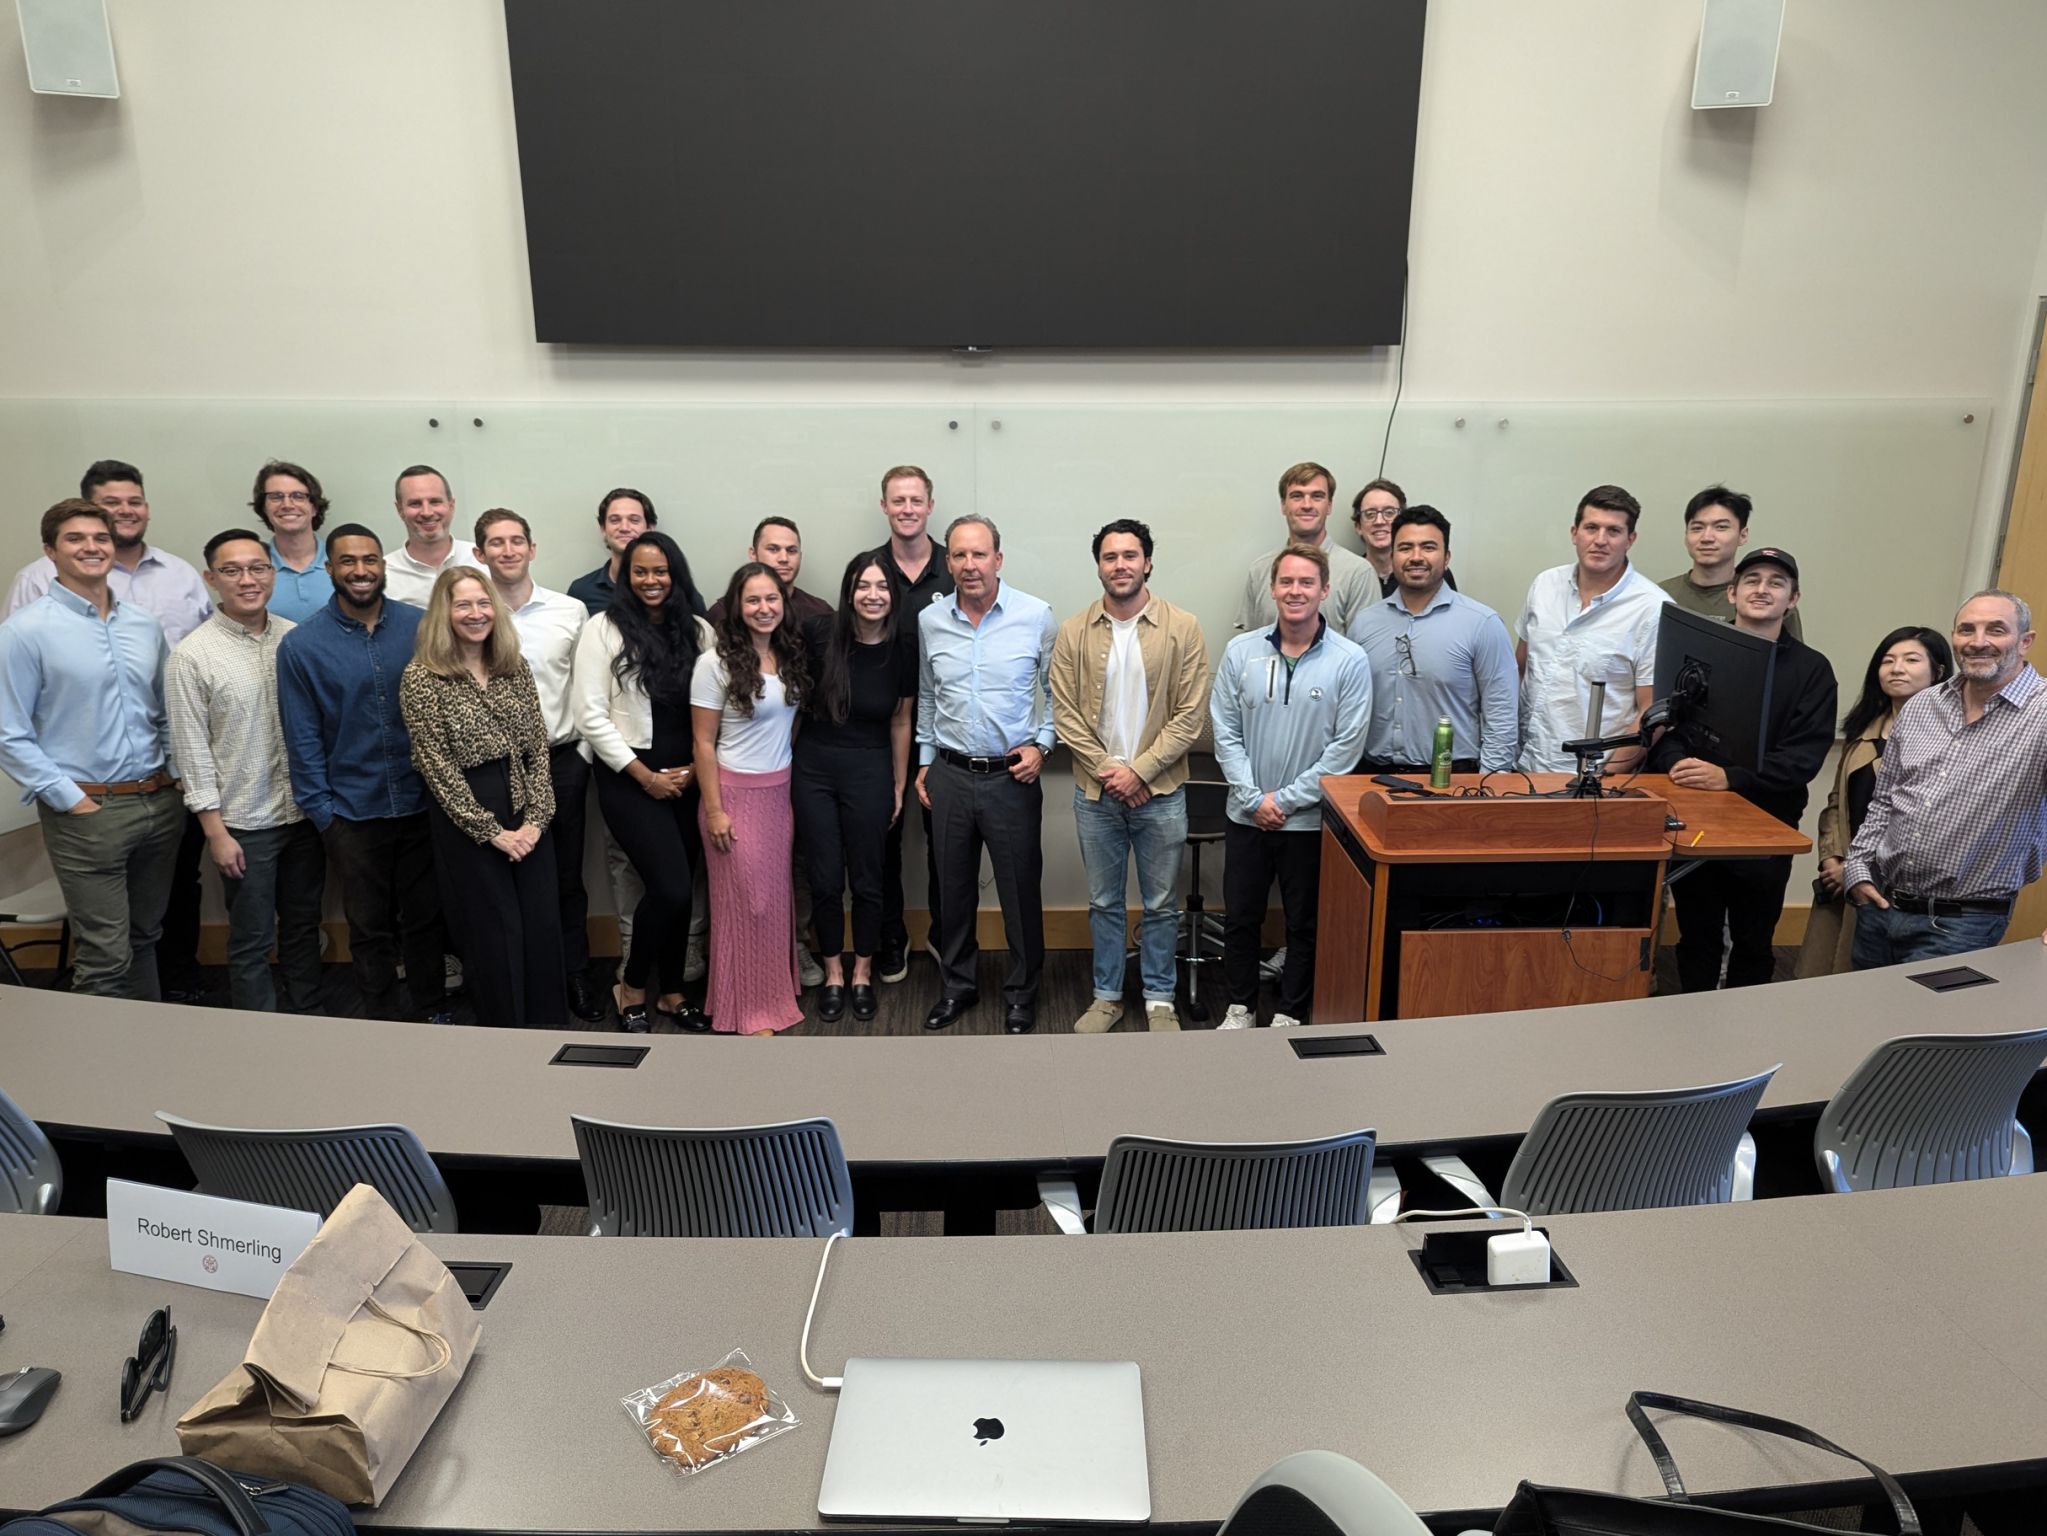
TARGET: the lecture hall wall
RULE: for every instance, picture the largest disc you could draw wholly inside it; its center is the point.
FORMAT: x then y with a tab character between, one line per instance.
305	203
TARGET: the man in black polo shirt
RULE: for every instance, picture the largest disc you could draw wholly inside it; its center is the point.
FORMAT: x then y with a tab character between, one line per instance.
1747	895
920	570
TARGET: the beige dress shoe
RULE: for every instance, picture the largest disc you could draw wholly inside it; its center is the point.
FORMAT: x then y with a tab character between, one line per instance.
1099	1019
1160	1016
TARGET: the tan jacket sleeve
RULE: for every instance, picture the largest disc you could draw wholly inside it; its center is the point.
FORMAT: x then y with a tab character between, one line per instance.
1069	716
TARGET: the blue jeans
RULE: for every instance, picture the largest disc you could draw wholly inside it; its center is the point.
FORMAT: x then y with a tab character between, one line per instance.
1886	936
1110	832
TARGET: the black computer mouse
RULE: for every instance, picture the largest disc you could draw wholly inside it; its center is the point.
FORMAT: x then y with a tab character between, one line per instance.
24	1395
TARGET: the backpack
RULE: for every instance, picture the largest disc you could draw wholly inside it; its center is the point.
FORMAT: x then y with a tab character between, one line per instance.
181	1494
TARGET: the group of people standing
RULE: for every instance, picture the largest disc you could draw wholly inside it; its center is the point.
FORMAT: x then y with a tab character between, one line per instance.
427	721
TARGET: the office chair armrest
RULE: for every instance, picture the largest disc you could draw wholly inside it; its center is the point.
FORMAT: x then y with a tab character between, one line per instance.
1744	1168
1062	1203
1454	1171
2021	1149
1384	1195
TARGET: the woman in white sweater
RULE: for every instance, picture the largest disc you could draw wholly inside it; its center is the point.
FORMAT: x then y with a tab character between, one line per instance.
632	676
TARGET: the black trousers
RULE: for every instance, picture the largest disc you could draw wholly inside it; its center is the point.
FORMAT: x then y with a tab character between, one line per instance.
1747	895
894	931
660	838
393	906
571	777
843	797
503	917
1252	860
177	952
969	812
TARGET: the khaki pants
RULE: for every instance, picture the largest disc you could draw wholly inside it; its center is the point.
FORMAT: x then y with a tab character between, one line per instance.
114	867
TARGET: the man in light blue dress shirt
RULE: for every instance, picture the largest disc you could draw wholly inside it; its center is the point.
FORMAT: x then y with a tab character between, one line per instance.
1436	653
83	731
984	725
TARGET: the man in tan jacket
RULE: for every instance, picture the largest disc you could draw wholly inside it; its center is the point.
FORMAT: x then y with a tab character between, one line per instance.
1129	695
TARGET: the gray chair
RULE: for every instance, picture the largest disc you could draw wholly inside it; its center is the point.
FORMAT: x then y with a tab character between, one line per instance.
31	1178
310	1170
36	907
1628	1151
1151	1185
1930	1109
1319	1493
787	1180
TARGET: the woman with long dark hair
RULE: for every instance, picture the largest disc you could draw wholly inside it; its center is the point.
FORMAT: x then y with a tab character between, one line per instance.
632	676
852	766
1906	661
743	700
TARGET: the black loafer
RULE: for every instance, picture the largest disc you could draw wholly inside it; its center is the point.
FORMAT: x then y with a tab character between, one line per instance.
584	1002
1019	1018
864	1005
831	1003
636	1020
688	1017
948	1011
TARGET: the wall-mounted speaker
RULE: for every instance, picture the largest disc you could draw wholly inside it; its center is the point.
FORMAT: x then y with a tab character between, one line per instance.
70	47
1738	41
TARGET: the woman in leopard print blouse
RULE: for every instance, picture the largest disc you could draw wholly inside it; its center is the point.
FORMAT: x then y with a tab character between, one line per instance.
480	743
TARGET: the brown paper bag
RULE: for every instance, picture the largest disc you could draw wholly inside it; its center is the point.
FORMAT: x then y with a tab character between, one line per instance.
363	1342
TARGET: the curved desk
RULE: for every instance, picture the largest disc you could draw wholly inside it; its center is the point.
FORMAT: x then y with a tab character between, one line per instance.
980	1109
1281	1340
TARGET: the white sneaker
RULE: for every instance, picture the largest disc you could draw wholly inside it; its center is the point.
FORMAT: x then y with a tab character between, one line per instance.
808	971
451	973
1273	966
1239	1017
694	962
1160	1017
1285	1021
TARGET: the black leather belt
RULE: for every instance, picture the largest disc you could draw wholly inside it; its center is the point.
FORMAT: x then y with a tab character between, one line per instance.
1933	906
979	764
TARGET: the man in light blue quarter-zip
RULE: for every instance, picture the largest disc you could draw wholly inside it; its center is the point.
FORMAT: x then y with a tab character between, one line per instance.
1289	705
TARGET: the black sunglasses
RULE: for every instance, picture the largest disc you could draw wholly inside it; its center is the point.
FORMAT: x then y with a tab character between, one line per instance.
149	1368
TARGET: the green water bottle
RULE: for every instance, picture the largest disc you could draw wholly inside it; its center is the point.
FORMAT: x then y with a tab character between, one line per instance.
1439	756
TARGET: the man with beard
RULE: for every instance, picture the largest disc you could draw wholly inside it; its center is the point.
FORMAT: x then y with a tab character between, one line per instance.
352	775
1129	691
1959	820
170	591
1436	654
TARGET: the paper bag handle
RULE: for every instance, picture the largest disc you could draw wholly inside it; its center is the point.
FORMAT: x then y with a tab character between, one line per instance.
443	1353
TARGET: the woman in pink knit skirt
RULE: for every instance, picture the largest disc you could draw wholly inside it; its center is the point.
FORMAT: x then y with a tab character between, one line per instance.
743	698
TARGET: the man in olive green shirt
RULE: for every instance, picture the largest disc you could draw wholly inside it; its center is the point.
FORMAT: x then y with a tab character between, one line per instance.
1716	526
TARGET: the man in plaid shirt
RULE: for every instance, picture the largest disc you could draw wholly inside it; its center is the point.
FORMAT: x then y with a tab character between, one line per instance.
1959	820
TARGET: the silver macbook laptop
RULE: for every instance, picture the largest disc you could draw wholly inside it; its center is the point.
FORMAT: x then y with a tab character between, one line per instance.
988	1441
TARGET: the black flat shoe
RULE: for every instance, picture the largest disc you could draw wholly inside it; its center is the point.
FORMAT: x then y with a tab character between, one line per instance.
831	1003
688	1018
948	1011
633	1018
1019	1018
864	1005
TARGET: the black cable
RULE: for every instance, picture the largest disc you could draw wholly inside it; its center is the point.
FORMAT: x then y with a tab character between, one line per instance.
1399	373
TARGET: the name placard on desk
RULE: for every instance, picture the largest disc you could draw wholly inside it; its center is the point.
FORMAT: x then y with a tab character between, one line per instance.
222	1245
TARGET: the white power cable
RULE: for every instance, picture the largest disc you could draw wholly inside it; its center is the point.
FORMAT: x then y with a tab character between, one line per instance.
822	1383
1527	1222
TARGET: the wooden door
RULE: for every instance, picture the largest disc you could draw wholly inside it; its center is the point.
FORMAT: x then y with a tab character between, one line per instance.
2022	568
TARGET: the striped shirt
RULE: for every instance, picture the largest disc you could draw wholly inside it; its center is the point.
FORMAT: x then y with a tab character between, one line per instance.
220	687
1960	812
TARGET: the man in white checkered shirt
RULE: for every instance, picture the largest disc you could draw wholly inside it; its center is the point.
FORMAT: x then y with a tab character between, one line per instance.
1959	820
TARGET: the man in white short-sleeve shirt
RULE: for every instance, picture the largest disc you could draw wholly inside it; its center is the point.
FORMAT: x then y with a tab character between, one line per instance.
1594	619
548	624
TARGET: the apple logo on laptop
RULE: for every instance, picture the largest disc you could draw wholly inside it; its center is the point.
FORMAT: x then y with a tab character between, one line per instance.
987	1429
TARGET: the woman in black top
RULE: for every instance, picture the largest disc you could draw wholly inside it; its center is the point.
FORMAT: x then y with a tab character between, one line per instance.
852	765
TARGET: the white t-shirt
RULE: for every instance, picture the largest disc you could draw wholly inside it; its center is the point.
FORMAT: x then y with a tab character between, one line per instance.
759	744
1125	696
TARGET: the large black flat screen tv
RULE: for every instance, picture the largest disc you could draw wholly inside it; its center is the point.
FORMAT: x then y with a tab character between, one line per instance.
967	173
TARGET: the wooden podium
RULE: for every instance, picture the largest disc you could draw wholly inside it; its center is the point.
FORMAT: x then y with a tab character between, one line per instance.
1458	904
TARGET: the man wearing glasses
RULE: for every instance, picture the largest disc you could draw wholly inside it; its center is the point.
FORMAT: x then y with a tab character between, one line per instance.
289	502
1436	654
221	691
1372	512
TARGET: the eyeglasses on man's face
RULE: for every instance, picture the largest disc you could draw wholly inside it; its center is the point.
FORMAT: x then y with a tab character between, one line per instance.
288	498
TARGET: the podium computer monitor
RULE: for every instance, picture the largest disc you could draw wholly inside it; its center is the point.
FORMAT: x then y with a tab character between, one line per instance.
1717	680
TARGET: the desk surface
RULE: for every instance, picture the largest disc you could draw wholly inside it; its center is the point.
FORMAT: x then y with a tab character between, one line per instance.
1252	1345
1036	1101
